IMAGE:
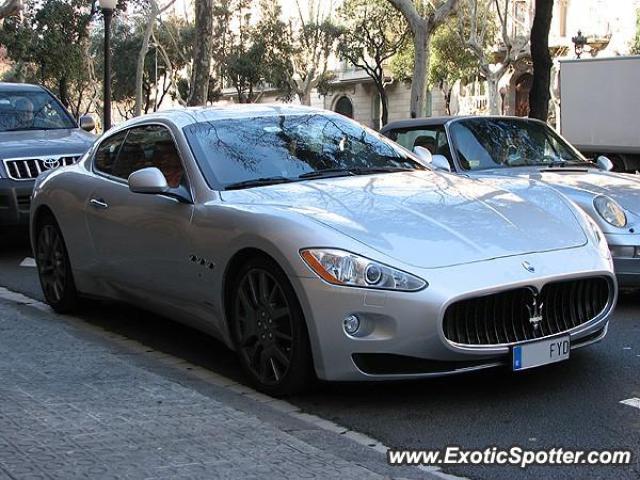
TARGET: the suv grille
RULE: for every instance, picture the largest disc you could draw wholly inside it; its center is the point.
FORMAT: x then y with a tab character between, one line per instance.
30	168
524	314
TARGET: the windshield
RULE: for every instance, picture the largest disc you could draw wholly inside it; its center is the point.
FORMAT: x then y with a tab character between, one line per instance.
282	148
482	143
32	110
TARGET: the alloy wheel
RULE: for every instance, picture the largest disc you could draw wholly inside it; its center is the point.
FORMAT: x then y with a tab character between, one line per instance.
263	326
51	263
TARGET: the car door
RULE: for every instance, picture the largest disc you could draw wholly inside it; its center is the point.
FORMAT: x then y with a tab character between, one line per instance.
141	240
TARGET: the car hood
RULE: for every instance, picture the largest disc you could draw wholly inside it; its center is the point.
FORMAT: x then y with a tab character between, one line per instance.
622	187
44	142
428	219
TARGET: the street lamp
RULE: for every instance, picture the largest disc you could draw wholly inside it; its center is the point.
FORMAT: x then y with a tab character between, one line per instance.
579	42
107	7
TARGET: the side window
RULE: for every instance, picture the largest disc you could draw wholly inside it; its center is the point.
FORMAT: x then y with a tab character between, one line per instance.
108	152
150	146
433	139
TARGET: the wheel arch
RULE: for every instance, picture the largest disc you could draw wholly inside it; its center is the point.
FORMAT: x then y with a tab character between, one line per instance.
40	213
235	263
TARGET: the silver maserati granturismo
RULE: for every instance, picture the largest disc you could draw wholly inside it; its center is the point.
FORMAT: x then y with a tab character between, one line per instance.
315	247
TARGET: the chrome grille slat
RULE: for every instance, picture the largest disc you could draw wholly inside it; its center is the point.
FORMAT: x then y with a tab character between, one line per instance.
30	168
503	318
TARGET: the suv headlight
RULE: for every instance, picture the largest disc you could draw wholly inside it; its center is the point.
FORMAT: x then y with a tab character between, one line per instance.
610	210
340	267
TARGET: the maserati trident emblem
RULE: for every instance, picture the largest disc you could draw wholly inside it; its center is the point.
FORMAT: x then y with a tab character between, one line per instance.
51	163
535	311
528	267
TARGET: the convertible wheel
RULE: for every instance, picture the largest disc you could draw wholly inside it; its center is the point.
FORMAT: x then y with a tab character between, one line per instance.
54	268
269	329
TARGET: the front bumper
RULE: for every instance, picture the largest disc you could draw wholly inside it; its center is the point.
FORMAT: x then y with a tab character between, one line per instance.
402	335
15	202
625	262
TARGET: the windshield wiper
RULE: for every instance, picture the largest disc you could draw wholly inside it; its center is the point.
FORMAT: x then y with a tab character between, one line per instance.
335	172
328	172
258	182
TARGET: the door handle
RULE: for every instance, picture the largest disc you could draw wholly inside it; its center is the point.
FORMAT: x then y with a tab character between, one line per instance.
98	203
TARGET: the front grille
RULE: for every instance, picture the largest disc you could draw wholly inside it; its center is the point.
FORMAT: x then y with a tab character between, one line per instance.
30	168
526	314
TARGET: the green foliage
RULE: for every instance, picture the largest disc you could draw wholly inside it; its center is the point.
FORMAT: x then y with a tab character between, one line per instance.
49	45
450	61
374	32
288	56
174	35
635	47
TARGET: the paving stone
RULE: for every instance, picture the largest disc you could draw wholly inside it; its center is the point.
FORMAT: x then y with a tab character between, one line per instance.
72	408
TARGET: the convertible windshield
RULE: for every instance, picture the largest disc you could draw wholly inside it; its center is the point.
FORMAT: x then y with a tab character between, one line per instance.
249	152
483	143
32	110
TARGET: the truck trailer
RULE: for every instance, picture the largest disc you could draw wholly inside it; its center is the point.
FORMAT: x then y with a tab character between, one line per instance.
600	108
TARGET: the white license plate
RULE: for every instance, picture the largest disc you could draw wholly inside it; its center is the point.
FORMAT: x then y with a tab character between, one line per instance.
534	354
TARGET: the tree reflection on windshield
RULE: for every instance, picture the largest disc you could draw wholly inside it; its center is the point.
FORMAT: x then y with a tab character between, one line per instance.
239	150
482	143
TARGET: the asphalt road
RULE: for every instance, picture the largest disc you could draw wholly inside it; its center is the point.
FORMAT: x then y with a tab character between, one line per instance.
574	404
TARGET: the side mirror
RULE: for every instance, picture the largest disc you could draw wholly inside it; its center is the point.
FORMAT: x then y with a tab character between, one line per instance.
87	123
148	180
423	154
440	162
604	163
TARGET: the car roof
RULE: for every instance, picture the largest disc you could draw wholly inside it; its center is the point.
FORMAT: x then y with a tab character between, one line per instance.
435	121
21	87
190	115
419	122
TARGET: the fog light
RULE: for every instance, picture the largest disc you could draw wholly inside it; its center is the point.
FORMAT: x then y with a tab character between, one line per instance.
351	324
618	251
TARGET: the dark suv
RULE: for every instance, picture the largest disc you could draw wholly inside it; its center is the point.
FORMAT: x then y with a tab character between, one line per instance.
36	134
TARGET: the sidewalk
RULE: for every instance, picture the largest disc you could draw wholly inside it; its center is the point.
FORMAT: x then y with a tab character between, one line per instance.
77	401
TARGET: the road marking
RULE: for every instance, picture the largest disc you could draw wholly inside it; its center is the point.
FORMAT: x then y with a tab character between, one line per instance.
28	262
223	382
632	402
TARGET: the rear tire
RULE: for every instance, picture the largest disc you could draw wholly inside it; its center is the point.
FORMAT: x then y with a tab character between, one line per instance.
268	328
54	268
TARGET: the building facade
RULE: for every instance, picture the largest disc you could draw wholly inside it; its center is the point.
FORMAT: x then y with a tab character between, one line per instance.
608	25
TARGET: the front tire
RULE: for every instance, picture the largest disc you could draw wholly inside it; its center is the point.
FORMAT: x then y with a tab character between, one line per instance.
268	329
54	268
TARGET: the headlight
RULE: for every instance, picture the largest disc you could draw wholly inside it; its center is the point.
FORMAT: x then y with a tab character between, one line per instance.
610	210
348	269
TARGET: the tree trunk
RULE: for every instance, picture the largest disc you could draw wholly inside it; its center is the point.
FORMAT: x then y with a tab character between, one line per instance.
201	72
142	54
494	95
305	97
421	42
63	90
384	107
539	95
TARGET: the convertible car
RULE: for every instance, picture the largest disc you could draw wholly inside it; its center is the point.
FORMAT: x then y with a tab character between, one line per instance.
487	147
313	246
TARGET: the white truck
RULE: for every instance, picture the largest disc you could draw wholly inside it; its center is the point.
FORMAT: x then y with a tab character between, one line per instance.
600	108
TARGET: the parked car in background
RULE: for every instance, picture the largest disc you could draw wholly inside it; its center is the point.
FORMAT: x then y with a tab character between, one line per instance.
310	244
36	134
491	147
